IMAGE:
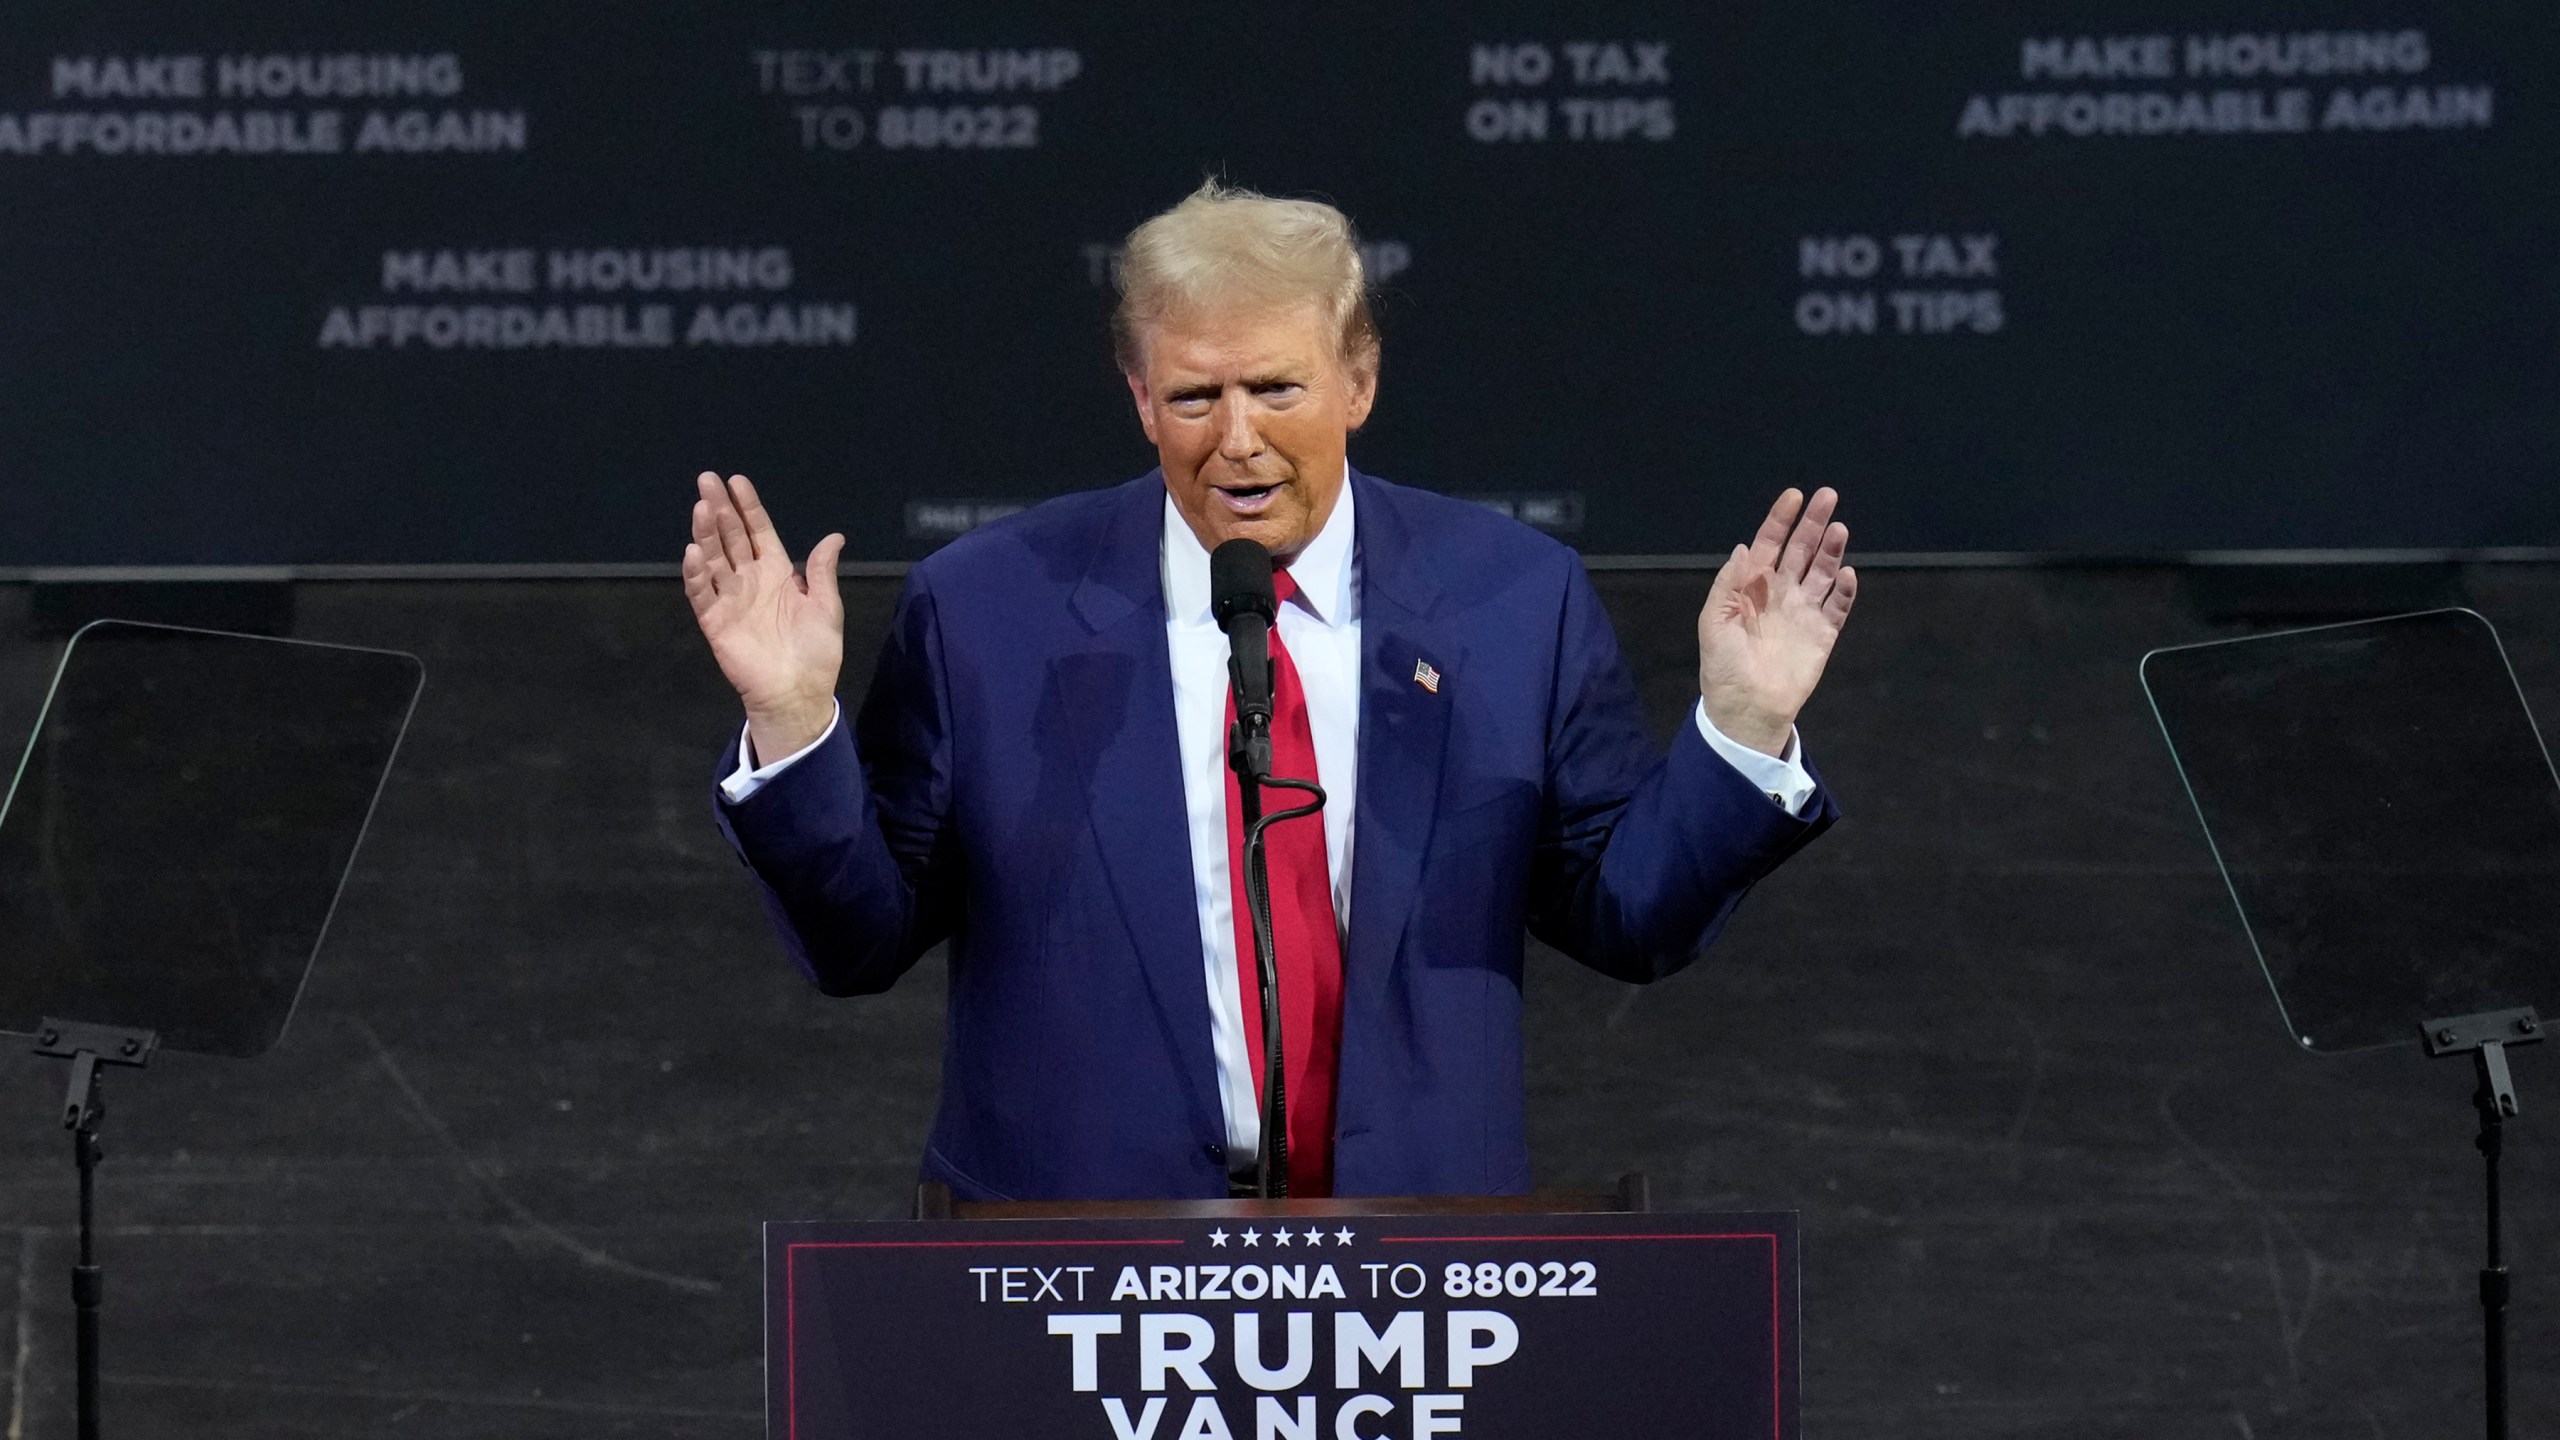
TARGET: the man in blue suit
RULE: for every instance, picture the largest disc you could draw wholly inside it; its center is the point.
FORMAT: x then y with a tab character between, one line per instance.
1037	774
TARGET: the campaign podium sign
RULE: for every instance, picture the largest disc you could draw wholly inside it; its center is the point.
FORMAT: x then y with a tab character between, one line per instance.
1285	1327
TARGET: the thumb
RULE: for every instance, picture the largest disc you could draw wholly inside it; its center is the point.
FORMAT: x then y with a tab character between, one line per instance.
822	572
1731	575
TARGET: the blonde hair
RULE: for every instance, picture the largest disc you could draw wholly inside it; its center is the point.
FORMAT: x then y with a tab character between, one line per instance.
1225	244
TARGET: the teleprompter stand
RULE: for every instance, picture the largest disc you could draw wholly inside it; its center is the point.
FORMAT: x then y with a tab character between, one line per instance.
89	1048
2485	1038
2387	817
171	849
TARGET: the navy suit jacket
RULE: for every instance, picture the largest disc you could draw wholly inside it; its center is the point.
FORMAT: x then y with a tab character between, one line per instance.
1012	784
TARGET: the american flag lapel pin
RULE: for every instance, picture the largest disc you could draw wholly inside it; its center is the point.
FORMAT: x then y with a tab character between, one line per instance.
1426	677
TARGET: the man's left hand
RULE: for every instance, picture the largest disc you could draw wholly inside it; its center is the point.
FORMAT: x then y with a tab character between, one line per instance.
1771	618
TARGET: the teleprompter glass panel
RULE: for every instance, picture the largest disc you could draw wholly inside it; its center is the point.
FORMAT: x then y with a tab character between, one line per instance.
177	833
2384	812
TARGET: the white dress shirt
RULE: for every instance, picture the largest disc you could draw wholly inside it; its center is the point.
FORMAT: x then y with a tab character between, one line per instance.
1321	628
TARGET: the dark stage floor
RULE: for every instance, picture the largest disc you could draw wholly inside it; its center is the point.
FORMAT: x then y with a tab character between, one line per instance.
1998	1036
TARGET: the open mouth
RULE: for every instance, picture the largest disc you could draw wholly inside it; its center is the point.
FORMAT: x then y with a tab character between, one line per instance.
1247	499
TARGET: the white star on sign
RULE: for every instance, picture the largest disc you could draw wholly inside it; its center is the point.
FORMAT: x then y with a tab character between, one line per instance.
1342	1236
1280	1235
1218	1239
1253	1237
1314	1236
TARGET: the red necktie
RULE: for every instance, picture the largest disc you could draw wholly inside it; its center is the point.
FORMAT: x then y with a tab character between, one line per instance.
1302	927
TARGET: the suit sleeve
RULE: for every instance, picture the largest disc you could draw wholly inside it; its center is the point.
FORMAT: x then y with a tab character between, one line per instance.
1640	856
853	846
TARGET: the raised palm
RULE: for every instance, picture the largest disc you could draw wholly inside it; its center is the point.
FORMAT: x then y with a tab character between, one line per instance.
777	634
1771	619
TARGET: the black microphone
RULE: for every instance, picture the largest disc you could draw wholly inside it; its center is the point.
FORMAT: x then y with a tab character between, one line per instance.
1242	599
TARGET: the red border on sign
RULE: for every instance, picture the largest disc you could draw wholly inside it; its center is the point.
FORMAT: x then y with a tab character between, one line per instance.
1777	1301
791	1289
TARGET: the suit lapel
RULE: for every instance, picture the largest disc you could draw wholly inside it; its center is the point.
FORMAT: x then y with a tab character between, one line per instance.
1404	727
1117	693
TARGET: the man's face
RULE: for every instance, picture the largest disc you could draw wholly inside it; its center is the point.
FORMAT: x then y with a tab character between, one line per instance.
1250	409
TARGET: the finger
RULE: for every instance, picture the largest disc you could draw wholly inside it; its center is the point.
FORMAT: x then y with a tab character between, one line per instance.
697	581
822	573
706	538
707	530
1827	557
733	531
760	531
1806	537
1844	593
1773	530
706	493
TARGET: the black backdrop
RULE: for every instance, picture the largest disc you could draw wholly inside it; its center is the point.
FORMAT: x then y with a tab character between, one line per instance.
2308	302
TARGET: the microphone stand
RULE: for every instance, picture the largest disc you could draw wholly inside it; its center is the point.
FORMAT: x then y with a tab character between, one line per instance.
1249	755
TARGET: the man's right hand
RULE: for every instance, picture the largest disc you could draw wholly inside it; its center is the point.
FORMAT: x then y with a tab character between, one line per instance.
779	636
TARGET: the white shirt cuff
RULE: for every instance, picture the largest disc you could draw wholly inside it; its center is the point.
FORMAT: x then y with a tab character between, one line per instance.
751	777
1782	778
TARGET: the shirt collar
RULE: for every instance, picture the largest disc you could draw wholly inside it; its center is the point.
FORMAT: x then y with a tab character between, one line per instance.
1327	570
